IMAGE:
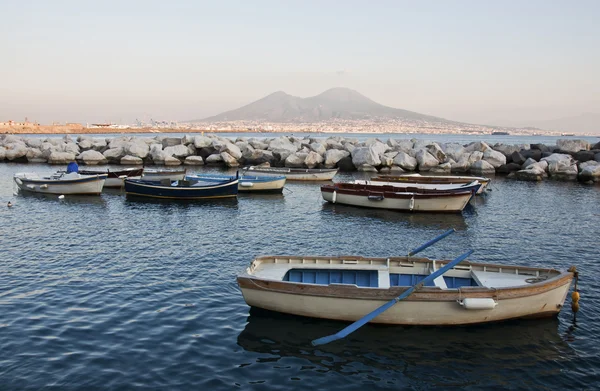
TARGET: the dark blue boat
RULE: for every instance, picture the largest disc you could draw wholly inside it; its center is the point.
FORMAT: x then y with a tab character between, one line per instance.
183	189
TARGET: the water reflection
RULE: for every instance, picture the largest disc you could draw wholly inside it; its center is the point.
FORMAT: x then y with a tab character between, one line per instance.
420	220
92	200
415	351
228	203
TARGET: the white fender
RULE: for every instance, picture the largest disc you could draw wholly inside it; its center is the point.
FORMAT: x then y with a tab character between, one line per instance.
411	204
19	181
246	184
44	186
478	303
334	196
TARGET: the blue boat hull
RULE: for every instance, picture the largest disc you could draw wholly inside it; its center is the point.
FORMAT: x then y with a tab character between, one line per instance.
176	190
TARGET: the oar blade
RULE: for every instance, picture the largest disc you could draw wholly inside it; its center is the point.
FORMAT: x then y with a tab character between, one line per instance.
373	314
431	242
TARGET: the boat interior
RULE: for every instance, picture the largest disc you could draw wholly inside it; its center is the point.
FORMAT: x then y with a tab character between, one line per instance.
389	272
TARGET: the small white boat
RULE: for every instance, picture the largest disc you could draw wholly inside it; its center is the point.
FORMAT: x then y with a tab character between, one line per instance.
471	186
348	288
247	183
61	183
294	174
158	174
383	197
433	179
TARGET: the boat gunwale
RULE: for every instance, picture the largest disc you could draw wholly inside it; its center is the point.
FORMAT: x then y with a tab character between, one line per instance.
140	183
58	181
367	190
249	281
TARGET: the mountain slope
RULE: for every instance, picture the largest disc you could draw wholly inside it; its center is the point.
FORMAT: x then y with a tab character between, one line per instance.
336	103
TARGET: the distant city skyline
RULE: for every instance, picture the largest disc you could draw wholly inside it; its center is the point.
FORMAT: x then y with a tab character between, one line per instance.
468	61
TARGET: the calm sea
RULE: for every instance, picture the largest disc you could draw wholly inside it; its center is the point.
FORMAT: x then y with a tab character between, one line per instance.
116	294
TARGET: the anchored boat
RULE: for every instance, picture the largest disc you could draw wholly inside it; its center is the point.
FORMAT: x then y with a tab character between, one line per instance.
158	174
115	178
390	197
247	183
295	174
420	187
181	189
348	288
61	183
433	179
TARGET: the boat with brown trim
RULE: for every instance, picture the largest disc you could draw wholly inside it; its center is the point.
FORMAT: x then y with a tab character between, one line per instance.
115	177
391	197
347	288
433	179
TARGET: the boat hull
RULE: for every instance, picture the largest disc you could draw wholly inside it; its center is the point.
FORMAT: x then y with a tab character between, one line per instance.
85	186
425	187
296	174
440	203
157	190
433	179
159	175
115	178
418	309
250	184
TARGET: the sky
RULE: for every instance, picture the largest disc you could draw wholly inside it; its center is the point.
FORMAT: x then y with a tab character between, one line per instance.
471	61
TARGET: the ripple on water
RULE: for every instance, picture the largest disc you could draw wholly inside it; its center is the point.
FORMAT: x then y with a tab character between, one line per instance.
112	293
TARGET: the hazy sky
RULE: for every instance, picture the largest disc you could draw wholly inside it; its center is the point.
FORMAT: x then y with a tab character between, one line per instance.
474	61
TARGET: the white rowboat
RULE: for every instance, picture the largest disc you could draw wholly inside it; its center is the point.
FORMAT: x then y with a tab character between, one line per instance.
61	183
294	174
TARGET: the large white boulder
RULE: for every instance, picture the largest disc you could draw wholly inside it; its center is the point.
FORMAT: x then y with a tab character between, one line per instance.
387	159
61	158
178	151
436	151
509	149
332	156
573	145
296	160
482	167
590	172
91	158
453	150
558	157
405	161
563	170
365	155
534	173
283	147
215	158
171	161
425	160
137	148
194	161
495	158
114	155
478	146
318	148
2	153
229	160
377	146
313	159
232	150
15	150
444	168
71	148
34	155
475	157
202	142
131	161
34	142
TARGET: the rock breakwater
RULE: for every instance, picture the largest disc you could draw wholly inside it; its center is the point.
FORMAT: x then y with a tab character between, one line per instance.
567	160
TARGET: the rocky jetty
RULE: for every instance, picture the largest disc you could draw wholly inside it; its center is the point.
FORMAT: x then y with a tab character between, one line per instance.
567	160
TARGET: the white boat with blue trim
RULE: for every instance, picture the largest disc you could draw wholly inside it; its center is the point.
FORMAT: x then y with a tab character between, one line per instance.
247	183
294	174
348	288
61	183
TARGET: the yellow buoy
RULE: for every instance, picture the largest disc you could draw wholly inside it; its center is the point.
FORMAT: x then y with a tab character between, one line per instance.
575	306
575	297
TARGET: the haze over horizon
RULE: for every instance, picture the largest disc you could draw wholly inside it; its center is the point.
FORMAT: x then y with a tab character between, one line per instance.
466	61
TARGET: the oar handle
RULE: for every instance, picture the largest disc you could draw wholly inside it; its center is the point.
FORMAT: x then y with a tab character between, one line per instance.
372	315
431	242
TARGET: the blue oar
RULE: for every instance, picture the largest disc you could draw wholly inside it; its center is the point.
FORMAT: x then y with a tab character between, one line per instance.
372	315
432	241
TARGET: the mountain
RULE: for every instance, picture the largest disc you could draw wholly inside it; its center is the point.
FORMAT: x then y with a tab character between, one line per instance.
583	123
336	103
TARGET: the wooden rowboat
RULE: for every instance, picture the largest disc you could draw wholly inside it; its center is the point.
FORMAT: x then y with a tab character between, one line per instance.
347	288
181	190
433	179
115	178
61	183
247	183
389	197
294	174
419	187
158	174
